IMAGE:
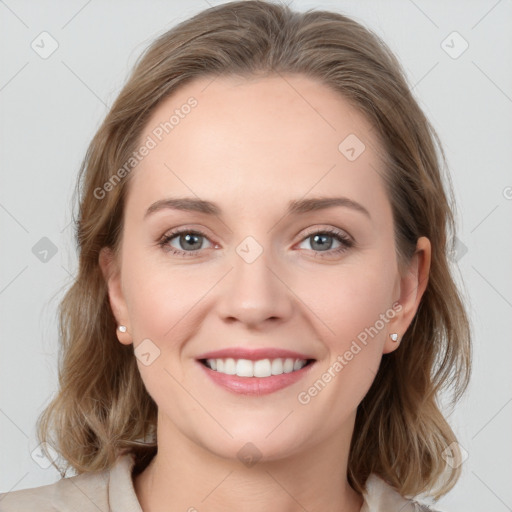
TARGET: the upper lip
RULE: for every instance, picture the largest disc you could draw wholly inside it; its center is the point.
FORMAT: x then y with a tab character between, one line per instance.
253	354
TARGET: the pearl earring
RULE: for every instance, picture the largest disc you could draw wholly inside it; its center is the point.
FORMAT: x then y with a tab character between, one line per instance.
394	336
122	328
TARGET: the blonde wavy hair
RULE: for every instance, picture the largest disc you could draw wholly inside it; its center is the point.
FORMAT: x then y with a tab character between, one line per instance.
102	408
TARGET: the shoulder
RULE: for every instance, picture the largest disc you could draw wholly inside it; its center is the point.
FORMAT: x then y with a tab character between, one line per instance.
379	496
87	492
61	495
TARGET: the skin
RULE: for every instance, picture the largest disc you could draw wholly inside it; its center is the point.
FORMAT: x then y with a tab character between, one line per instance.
251	146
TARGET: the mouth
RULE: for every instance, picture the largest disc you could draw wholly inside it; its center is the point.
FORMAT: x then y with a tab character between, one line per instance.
259	368
256	371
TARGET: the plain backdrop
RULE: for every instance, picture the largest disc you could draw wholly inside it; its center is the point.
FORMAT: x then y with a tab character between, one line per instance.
458	59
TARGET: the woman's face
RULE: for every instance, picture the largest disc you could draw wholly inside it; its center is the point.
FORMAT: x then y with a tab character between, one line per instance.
266	267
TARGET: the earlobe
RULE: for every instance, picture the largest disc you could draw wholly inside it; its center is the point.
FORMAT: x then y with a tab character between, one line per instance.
392	343
412	286
112	275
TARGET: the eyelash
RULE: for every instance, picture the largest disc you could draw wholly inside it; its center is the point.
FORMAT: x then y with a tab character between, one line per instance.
346	242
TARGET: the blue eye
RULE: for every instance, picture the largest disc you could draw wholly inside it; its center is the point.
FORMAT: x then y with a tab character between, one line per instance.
186	238
193	240
319	239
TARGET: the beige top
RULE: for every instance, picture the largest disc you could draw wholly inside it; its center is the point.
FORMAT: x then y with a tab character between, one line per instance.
112	491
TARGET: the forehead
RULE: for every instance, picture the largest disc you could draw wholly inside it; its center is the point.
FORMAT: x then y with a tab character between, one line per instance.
240	140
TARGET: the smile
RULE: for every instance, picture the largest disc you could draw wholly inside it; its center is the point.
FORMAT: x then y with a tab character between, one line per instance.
257	368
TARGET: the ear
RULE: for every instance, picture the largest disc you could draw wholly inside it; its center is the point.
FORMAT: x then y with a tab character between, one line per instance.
112	275
412	286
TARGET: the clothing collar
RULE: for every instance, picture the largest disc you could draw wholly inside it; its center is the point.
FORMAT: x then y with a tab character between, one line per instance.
378	496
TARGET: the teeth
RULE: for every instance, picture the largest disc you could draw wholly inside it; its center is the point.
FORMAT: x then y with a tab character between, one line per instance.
230	366
288	366
262	368
259	368
244	368
277	367
298	364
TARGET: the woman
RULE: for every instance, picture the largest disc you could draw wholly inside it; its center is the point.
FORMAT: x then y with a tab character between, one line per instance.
292	356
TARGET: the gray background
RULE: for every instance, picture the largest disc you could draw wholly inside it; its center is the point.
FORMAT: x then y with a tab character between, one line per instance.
51	107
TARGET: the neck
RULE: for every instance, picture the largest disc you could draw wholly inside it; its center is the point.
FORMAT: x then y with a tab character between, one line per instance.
186	476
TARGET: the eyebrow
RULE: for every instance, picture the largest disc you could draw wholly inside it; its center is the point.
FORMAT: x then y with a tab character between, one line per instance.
295	207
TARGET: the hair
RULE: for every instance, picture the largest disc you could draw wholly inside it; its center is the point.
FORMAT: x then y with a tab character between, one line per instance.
102	407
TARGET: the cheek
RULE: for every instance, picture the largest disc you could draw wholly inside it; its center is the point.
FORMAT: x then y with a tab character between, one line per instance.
351	298
159	290
349	309
163	305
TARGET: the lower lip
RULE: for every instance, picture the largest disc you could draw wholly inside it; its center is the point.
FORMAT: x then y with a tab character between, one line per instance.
255	385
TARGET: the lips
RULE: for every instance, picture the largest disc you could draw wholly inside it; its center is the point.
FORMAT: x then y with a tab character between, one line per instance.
253	354
273	368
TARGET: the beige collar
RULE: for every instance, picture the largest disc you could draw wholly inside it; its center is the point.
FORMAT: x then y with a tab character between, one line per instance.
378	497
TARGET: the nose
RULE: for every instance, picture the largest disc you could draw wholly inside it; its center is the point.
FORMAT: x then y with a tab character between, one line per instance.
255	291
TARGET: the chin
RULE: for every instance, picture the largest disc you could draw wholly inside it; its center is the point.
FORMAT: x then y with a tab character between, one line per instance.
264	443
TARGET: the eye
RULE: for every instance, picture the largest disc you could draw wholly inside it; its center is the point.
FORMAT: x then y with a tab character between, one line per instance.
187	239
321	241
190	242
